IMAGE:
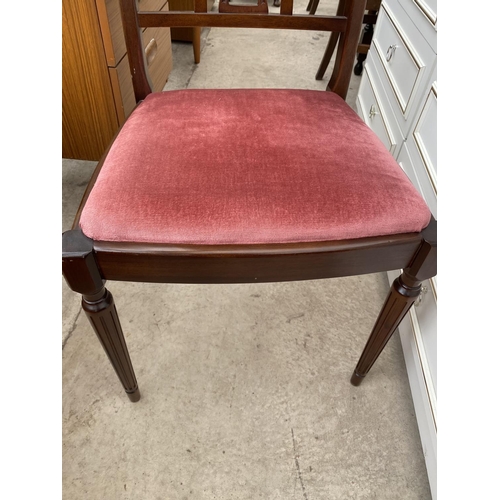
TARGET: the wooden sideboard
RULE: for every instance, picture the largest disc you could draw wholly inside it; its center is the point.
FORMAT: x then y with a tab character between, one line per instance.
97	92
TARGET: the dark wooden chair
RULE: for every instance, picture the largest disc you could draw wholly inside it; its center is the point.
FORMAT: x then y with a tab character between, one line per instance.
193	189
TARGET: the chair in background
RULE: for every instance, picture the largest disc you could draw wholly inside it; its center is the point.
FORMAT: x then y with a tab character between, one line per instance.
369	20
312	6
194	189
193	35
184	34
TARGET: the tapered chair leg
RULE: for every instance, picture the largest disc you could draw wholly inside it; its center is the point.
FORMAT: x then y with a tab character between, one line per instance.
83	276
101	312
313	7
197	44
403	293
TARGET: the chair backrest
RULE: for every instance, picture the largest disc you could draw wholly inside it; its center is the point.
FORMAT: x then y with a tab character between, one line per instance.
234	16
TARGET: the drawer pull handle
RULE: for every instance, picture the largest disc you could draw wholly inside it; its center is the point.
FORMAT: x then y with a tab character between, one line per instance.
150	50
390	52
420	297
373	111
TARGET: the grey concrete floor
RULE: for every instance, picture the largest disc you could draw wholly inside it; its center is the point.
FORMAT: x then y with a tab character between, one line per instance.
245	388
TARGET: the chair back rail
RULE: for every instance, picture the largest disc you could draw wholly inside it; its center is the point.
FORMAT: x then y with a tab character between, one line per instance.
348	25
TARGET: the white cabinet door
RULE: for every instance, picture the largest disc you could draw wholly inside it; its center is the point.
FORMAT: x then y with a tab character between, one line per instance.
398	100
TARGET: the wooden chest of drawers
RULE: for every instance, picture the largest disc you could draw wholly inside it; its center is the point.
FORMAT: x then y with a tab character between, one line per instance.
97	94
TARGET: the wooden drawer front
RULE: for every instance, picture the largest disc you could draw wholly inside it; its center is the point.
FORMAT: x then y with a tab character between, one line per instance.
404	54
159	69
372	112
110	22
156	42
112	29
123	89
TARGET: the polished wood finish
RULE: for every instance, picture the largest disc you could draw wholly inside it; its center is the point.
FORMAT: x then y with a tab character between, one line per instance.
140	76
348	24
369	19
332	43
312	6
270	21
403	294
87	264
197	44
82	274
101	312
401	297
79	264
346	52
286	7
259	8
89	119
97	90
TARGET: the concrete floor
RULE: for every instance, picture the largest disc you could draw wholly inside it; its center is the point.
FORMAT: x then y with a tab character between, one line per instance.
245	388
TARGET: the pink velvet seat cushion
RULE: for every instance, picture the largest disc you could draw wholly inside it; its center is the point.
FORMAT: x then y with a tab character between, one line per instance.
249	166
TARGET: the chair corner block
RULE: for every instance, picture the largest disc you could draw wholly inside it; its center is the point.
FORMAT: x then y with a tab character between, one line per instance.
79	264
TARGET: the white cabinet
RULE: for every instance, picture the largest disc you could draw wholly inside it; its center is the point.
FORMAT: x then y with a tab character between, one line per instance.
398	99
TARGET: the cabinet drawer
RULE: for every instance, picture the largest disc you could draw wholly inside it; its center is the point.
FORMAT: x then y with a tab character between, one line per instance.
404	54
159	67
409	161
425	309
158	47
372	112
111	26
429	9
423	13
123	90
425	135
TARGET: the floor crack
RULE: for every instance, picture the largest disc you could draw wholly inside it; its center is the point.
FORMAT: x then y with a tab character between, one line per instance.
297	466
72	329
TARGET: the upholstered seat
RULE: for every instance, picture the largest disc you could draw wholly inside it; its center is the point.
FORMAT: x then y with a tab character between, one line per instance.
249	167
246	186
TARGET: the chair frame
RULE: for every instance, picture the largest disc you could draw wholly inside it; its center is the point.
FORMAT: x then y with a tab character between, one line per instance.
87	264
369	19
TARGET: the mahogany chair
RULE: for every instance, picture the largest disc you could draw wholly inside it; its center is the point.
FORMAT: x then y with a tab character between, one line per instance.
193	189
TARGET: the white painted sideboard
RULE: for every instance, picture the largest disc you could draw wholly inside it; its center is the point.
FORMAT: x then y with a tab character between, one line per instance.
398	100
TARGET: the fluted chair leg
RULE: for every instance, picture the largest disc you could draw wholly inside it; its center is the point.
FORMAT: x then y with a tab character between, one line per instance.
101	312
403	293
83	276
